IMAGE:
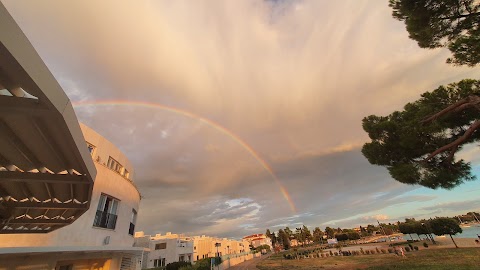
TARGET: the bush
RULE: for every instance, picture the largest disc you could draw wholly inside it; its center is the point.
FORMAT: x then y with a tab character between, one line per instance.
407	249
362	251
425	244
411	247
331	253
390	250
378	251
415	248
372	251
177	265
367	252
336	253
384	251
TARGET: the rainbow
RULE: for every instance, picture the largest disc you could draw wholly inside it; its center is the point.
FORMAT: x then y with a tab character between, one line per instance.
210	123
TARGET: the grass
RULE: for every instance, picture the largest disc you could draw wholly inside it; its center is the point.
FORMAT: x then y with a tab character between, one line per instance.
434	259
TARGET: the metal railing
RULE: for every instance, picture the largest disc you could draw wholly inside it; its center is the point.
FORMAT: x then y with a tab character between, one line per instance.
105	220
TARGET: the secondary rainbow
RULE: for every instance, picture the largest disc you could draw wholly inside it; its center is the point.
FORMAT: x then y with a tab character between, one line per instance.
209	122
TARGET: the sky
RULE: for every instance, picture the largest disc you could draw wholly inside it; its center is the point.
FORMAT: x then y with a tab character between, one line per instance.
240	116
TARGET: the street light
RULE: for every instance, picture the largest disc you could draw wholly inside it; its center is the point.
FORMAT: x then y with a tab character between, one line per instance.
218	255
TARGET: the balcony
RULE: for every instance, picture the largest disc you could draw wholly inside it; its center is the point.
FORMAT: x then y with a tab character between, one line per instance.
105	220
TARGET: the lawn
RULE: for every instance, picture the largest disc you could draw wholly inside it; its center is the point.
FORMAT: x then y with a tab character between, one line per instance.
434	259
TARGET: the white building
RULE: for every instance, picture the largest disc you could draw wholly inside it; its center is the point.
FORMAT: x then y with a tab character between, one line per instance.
102	238
165	249
67	199
258	240
46	173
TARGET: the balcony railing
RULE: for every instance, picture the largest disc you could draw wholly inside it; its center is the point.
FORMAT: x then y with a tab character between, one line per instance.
105	220
131	230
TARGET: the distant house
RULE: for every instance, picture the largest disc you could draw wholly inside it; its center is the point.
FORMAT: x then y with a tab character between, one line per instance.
258	240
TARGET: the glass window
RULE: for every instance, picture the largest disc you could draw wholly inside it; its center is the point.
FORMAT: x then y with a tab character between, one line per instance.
91	148
114	165
106	216
161	246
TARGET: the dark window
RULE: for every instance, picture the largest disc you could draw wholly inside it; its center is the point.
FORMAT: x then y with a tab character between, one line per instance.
133	221
106	216
161	246
91	148
114	165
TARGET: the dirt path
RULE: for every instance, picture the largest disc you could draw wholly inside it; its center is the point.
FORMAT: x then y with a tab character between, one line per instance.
250	264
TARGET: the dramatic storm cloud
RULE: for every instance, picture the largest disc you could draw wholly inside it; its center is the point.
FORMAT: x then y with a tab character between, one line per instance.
284	85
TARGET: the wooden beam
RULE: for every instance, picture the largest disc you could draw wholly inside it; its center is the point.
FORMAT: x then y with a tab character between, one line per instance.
15	231
43	205
6	176
39	221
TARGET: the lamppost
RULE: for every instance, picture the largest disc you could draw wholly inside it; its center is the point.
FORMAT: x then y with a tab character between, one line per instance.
218	255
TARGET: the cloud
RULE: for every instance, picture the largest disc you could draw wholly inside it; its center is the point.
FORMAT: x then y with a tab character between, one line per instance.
450	207
291	79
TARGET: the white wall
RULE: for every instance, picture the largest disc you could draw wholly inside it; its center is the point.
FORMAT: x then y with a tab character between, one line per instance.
82	232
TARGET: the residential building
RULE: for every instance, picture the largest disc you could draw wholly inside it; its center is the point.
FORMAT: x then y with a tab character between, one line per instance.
168	248
46	173
67	198
258	240
102	238
165	249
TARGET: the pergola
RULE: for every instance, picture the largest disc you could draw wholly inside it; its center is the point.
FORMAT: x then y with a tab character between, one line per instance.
46	171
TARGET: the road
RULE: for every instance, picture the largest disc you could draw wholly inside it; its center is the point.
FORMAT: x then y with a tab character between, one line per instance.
250	264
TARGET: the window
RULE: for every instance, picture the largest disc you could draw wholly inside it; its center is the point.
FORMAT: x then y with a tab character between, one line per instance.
160	246
91	148
114	165
106	216
126	174
181	258
159	262
133	221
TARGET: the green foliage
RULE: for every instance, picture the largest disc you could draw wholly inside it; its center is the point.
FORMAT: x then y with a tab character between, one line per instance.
443	23
403	144
177	265
425	245
442	226
284	239
330	232
415	248
259	248
317	235
341	237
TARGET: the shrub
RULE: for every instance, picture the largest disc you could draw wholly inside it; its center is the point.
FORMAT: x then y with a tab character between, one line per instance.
411	247
378	251
390	250
336	253
384	251
362	251
416	248
367	252
425	244
407	249
372	251
331	253
177	265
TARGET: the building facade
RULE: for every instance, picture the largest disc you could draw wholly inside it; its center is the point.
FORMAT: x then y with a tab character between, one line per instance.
168	248
106	228
258	240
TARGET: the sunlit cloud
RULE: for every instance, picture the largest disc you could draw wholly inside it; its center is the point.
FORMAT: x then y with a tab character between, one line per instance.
291	79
